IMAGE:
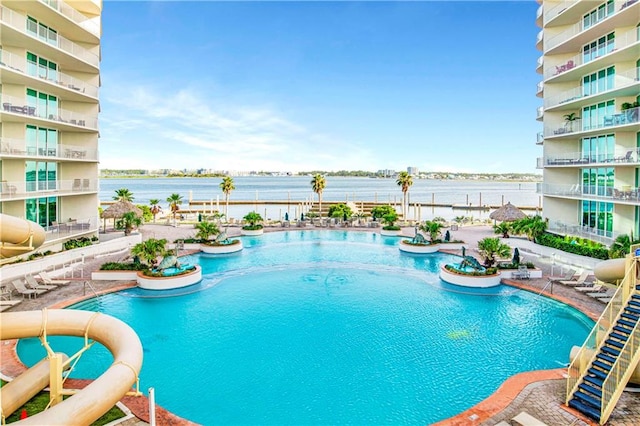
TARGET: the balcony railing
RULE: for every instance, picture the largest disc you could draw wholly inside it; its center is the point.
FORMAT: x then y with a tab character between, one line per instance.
583	231
23	66
625	194
623	118
89	24
67	228
19	22
556	10
621	41
624	79
620	157
539	163
15	105
17	190
577	28
539	138
539	112
539	87
17	148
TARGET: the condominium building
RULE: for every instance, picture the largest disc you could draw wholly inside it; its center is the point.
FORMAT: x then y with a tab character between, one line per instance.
49	81
590	67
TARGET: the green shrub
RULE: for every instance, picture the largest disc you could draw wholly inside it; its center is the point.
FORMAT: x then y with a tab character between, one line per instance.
575	245
119	266
529	265
391	228
488	271
77	243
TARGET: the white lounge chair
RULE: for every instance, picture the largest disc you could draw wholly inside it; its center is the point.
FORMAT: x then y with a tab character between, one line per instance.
566	277
35	285
46	278
526	419
591	289
24	291
577	282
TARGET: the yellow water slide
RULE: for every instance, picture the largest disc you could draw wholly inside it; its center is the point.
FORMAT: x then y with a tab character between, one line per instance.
18	236
87	405
610	271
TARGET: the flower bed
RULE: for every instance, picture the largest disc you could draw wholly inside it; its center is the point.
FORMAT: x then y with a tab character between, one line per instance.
490	278
221	248
418	248
191	277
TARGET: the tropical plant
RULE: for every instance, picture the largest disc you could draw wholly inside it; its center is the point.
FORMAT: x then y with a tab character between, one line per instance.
227	186
123	194
531	226
128	222
390	219
149	250
146	212
570	118
155	208
379	212
174	200
621	246
502	228
206	230
404	181
490	248
318	183
253	218
340	211
433	229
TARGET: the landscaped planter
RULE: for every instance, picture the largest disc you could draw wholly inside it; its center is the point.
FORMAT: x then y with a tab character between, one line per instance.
252	232
391	233
167	283
452	246
114	275
418	248
533	273
221	248
477	281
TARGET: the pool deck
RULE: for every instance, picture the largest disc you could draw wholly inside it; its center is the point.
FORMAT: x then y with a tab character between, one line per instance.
539	393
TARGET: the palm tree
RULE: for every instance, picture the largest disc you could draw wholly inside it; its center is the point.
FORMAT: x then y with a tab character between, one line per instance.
149	250
155	208
206	230
489	248
129	221
404	181
174	201
318	183
227	186
123	194
432	228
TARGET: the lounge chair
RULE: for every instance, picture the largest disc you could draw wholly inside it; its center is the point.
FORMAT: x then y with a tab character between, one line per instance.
24	291
577	282
598	288
46	278
566	277
600	295
35	285
526	419
10	303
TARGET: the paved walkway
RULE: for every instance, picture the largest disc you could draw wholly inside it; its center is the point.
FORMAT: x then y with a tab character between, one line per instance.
541	394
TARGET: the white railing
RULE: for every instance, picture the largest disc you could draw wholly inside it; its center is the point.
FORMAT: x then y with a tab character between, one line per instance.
557	10
11	104
539	163
620	42
539	138
12	190
622	80
627	194
539	112
622	118
540	87
540	62
582	231
19	23
577	28
539	37
23	66
18	148
621	156
90	24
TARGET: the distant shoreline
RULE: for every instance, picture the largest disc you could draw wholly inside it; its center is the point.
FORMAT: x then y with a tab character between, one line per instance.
476	177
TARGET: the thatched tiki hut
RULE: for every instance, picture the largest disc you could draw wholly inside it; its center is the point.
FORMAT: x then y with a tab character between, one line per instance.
117	210
507	213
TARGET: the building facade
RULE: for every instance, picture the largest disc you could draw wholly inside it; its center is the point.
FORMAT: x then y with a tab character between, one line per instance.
590	88
49	83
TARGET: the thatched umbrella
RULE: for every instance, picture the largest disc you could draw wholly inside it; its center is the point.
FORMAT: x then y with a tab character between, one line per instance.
117	210
507	213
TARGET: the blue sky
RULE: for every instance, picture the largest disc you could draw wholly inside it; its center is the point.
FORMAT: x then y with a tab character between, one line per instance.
291	86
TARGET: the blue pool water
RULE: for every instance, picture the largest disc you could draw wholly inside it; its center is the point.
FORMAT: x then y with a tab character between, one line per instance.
330	327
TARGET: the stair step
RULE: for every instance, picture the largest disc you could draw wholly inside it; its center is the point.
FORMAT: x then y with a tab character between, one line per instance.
630	317
634	302
592	390
594	380
622	330
585	409
599	374
611	351
606	357
618	336
601	365
626	322
587	399
614	343
632	309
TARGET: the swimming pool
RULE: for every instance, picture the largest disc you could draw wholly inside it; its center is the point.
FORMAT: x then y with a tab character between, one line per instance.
309	327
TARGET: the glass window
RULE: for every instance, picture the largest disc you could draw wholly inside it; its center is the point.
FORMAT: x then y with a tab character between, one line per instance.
43	211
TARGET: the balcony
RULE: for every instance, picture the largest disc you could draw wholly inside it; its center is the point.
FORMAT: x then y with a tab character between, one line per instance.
540	138
539	64
624	80
57	78
539	113
70	228
624	118
540	89
16	148
564	228
621	195
20	190
539	39
539	163
89	24
577	28
624	157
20	24
621	42
17	106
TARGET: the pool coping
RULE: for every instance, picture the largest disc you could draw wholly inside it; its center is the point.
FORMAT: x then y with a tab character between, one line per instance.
482	411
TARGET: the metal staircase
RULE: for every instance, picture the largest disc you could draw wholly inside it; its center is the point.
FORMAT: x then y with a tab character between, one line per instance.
604	364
